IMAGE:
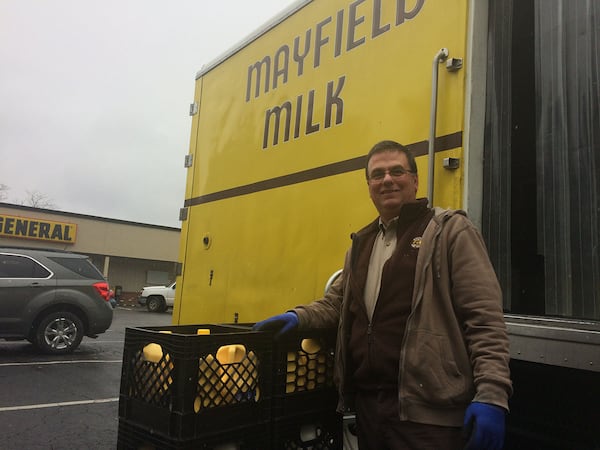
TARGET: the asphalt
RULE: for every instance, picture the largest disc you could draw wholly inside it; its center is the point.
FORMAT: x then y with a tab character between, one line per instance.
71	401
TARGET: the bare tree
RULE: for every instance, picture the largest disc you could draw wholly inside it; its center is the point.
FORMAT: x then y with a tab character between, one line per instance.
3	192
34	198
38	200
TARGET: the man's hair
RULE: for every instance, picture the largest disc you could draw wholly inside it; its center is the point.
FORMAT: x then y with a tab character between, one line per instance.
391	146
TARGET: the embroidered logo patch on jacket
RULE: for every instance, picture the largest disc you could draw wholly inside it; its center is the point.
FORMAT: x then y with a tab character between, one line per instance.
416	242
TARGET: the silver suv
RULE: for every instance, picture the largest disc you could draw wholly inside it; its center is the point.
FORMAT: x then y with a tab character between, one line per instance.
52	298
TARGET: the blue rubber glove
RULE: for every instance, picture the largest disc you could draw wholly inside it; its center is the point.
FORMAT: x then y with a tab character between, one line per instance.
484	425
282	323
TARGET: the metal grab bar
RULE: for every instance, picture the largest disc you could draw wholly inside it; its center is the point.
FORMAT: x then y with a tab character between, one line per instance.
439	57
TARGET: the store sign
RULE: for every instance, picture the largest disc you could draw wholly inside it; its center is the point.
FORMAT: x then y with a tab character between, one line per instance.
29	228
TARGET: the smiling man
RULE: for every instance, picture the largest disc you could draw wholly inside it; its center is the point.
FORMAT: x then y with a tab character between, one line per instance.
392	179
422	352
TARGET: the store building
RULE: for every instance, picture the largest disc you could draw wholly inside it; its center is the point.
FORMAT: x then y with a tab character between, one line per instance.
131	255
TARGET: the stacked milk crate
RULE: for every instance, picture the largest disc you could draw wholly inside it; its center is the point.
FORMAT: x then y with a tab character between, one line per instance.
226	387
195	387
304	397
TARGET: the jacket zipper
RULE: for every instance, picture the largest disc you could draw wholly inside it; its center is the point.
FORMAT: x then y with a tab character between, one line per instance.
418	298
369	342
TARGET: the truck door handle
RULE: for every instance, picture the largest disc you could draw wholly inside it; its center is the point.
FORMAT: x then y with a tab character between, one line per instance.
439	57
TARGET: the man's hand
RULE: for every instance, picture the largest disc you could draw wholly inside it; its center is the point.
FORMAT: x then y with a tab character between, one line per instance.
484	424
282	323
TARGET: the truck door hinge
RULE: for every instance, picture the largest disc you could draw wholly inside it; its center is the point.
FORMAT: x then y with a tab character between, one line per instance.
183	214
189	160
454	64
451	163
193	108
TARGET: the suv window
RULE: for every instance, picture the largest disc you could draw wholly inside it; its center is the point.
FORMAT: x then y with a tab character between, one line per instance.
80	266
14	266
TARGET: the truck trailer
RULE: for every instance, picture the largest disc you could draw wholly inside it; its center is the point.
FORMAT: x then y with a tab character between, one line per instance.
499	102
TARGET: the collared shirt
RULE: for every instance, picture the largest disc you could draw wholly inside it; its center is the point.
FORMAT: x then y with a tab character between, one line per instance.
385	243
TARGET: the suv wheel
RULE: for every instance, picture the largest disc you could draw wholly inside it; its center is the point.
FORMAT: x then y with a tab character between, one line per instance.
59	333
155	303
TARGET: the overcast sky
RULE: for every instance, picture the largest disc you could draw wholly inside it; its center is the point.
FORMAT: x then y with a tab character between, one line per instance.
95	94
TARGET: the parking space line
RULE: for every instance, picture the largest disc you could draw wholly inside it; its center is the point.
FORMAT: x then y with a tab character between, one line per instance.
44	363
55	405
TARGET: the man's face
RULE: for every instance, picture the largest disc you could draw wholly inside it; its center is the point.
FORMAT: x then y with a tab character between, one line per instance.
393	190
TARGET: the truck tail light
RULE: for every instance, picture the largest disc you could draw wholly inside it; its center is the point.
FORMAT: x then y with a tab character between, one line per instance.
102	288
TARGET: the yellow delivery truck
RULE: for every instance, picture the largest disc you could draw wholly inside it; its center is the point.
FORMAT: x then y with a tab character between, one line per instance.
498	100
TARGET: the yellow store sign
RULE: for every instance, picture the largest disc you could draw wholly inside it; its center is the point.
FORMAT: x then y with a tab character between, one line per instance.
30	228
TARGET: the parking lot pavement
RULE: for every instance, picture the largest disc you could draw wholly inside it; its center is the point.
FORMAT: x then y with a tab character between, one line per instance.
69	401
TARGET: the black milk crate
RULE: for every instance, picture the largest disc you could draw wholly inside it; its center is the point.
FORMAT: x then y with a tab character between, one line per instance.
132	437
183	384
303	372
320	430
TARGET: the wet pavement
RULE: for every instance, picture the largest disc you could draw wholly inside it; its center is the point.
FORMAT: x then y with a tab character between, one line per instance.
69	401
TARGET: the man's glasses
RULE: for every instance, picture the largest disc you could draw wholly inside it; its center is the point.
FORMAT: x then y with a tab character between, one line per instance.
395	172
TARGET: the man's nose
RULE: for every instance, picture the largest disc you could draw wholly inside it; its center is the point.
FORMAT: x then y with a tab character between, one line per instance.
387	178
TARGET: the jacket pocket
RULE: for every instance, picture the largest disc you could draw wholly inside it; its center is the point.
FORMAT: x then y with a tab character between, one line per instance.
431	374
